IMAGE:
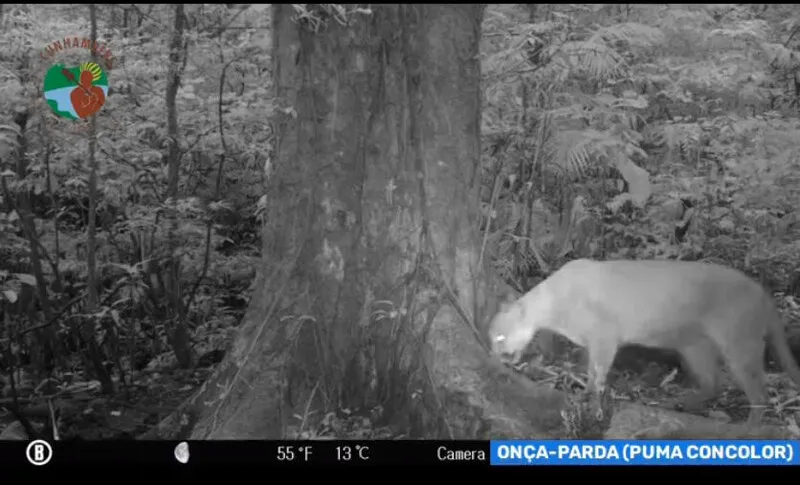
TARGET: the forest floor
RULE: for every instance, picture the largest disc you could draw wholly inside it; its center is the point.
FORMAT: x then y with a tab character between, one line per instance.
153	393
660	384
83	412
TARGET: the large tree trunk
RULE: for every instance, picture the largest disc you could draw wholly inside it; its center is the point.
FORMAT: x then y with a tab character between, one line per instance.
371	287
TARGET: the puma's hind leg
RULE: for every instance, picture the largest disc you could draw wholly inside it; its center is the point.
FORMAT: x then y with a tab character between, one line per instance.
702	361
746	363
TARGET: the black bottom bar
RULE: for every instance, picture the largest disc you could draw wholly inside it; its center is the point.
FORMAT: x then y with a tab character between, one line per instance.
208	458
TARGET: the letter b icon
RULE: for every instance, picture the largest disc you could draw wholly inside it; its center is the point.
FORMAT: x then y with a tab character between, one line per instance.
39	452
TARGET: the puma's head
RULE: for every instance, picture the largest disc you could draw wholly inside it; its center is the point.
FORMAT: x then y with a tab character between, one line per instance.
510	333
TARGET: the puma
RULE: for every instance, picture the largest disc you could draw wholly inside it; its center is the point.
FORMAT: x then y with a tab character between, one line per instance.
703	311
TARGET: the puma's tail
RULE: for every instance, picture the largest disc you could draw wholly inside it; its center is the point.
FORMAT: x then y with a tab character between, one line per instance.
781	346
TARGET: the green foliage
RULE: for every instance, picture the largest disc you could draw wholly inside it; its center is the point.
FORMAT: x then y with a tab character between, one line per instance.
223	102
317	16
609	126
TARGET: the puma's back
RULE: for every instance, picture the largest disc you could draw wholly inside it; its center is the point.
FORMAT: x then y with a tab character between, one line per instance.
656	303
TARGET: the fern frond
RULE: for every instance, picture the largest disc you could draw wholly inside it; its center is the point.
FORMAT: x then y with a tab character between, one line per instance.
576	149
594	57
629	101
633	34
781	56
747	30
682	135
696	17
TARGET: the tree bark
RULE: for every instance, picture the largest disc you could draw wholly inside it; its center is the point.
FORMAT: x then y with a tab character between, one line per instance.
371	294
179	337
86	328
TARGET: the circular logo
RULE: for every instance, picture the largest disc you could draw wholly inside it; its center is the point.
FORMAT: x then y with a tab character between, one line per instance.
75	92
39	452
